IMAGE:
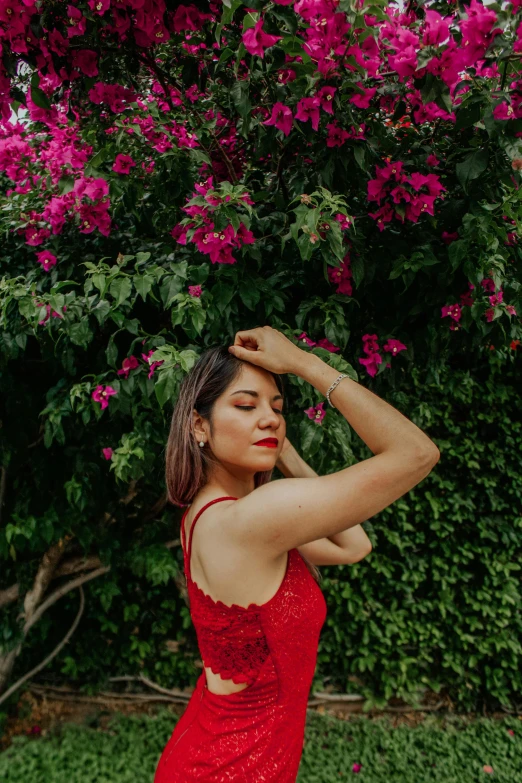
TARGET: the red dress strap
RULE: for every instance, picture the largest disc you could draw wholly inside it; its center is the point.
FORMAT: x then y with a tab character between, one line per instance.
201	510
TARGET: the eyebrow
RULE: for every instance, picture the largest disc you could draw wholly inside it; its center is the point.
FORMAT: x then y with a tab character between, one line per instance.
255	394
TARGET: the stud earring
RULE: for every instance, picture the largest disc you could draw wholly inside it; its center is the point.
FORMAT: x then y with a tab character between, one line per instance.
201	443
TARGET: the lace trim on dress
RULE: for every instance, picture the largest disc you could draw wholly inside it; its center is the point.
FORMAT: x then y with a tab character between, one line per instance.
231	639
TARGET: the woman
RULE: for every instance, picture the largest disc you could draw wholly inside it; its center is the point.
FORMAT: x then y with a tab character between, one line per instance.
256	607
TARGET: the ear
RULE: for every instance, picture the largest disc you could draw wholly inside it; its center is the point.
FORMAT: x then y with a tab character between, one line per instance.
198	420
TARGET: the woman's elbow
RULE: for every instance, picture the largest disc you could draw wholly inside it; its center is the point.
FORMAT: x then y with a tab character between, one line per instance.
361	555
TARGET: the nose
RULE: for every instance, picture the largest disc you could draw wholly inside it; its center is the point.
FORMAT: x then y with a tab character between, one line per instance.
270	419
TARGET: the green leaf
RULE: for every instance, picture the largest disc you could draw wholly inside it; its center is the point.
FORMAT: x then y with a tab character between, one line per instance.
240	97
472	167
359	154
170	287
80	333
65	184
120	289
143	285
165	386
40	99
468	115
112	352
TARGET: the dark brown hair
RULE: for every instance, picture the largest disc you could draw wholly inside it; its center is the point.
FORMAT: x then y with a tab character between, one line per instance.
188	467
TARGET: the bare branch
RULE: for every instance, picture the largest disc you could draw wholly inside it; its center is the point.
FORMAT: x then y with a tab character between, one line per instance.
51	655
9	595
43	577
149	683
76	564
105	697
66	588
72	566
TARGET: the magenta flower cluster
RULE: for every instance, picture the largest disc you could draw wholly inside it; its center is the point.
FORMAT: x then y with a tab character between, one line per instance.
406	197
217	244
102	393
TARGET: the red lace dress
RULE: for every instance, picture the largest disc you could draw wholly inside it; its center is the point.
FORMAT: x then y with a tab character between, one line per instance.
255	735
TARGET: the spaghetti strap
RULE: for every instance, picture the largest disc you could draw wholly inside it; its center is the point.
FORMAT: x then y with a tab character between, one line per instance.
201	510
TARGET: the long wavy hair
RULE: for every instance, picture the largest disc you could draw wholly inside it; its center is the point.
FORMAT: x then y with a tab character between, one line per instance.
187	466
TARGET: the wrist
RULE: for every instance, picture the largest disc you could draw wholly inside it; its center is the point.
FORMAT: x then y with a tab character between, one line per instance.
319	374
309	366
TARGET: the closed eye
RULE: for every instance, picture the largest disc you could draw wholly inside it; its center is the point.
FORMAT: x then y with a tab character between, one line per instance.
251	408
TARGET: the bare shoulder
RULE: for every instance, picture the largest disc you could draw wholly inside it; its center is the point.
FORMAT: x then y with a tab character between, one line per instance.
227	569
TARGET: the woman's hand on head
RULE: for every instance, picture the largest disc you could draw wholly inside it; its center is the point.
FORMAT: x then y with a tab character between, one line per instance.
267	348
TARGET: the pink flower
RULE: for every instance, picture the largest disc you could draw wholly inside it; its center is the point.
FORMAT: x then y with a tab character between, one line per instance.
123	164
496	299
77	21
152	365
35	730
356	767
404	62
49	313
394	346
256	40
107	453
86	61
325	95
46	259
363	100
99	6
317	413
511	310
327	345
194	290
308	109
341	276
436	29
371	348
310	343
432	160
511	732
454	311
281	118
127	365
101	394
488	769
504	111
448	238
35	236
336	135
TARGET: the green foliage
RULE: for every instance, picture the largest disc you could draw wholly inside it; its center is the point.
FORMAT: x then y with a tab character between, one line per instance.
453	751
437	603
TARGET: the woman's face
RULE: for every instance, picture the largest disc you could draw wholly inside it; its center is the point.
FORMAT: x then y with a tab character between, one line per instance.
241	419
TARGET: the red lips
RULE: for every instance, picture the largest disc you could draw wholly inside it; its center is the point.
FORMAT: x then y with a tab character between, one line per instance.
267	442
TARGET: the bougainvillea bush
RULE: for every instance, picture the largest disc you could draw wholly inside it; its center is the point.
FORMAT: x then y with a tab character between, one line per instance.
347	172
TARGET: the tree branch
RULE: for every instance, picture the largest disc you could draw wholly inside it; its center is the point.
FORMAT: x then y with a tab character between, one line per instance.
9	595
63	590
49	658
43	577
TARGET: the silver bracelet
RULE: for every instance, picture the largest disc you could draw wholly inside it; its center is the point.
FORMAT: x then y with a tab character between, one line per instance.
332	387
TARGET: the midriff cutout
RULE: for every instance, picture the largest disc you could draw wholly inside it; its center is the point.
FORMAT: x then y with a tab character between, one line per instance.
221	687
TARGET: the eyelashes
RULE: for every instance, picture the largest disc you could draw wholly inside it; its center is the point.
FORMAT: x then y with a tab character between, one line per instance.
251	408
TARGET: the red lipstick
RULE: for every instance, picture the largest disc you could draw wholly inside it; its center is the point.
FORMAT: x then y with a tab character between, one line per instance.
270	442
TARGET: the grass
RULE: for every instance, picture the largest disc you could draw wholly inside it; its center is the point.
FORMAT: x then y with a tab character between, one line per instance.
450	750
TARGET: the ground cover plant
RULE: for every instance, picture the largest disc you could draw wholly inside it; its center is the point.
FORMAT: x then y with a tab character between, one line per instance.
451	750
348	172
